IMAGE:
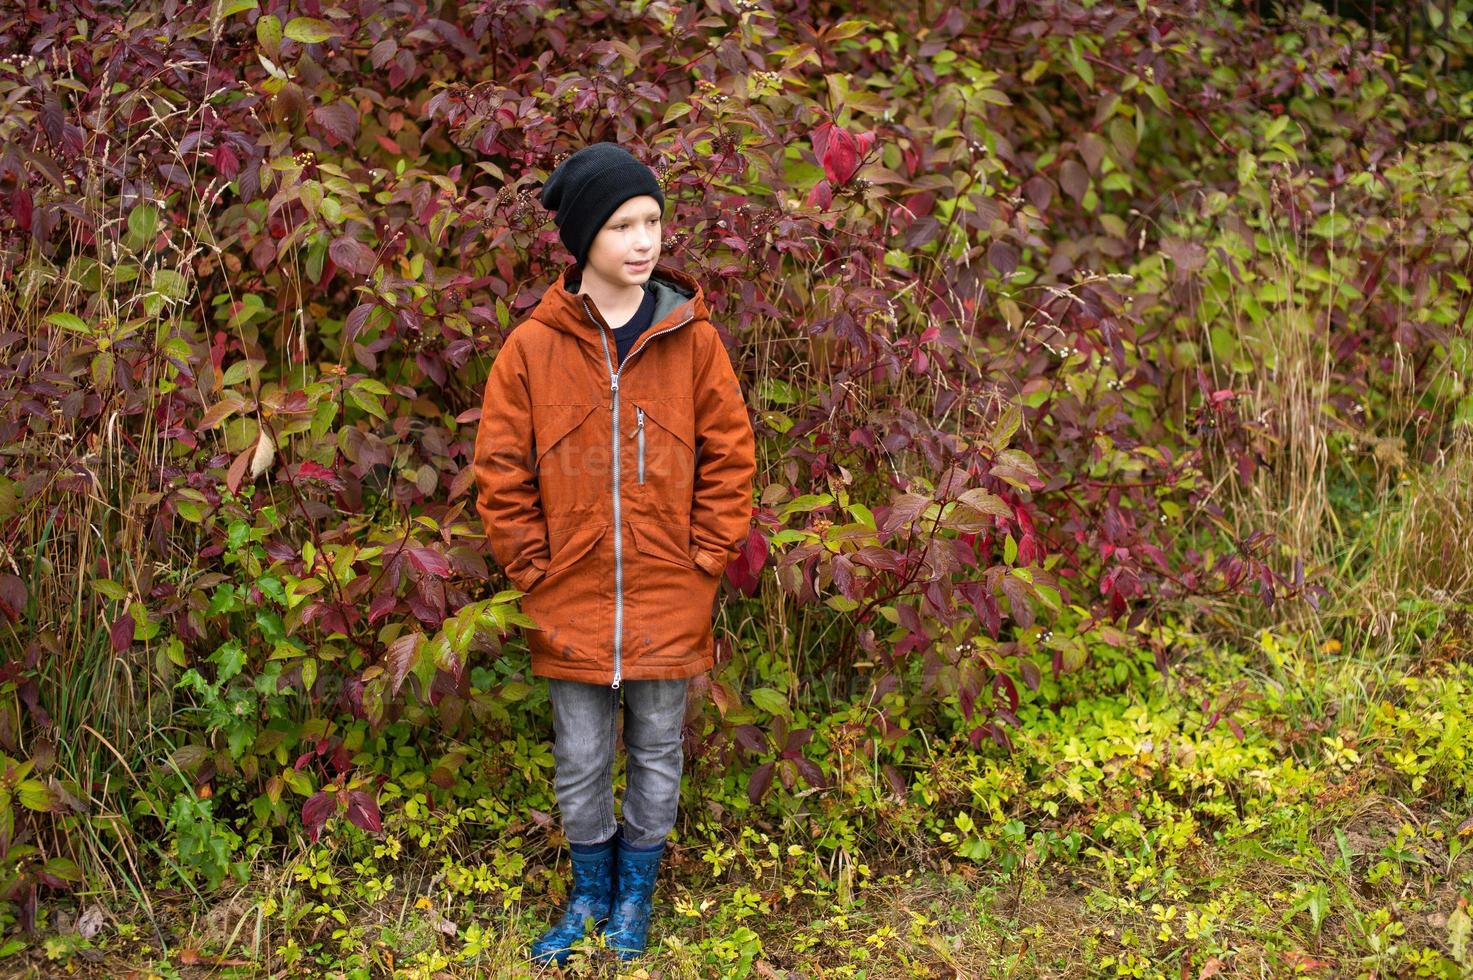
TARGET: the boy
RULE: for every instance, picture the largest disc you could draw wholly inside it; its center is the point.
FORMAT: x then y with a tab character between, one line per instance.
614	462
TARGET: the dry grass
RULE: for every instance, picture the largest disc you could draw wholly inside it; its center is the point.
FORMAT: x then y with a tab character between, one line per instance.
1401	450
1419	547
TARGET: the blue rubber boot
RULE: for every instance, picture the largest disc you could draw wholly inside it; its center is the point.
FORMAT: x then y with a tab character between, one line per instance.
629	922
591	897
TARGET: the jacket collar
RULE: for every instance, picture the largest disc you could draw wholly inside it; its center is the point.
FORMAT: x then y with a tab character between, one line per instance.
677	295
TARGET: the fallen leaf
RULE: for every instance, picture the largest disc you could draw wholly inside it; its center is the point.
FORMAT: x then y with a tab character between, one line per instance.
91	921
1303	961
1211	968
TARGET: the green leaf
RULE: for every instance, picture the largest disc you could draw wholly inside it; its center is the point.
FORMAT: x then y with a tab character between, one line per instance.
807	502
143	223
240	371
309	30
846	29
36	795
1007	425
1247	167
515	690
1009	550
676	111
373	385
110	589
779	392
770	700
368	403
268	34
230	658
69	321
63	868
1081	67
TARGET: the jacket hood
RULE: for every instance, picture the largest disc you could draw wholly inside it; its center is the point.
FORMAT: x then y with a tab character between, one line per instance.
562	309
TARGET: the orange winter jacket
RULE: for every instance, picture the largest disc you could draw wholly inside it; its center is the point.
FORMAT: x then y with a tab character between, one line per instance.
614	495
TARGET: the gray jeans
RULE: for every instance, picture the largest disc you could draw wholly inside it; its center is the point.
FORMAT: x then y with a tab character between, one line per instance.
584	718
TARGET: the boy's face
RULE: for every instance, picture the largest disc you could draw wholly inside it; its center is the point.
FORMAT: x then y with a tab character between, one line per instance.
630	236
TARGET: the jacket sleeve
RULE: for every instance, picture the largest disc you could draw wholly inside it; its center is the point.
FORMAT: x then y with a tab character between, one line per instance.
508	497
726	464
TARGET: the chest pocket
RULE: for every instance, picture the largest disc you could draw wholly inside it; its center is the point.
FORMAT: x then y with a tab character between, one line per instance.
570	475
664	456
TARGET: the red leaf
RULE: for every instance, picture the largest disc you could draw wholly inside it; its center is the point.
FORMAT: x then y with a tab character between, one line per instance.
821	139
749	737
226	162
339	119
382	605
755	550
12	596
356	319
429	562
311	470
399	661
797	738
353	256
121	632
236	473
363	812
383	52
1003	257
840	156
22	206
1004	685
315	811
758	782
811	774
821	196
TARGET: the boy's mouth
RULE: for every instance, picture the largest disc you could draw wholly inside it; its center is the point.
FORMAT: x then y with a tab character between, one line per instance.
638	266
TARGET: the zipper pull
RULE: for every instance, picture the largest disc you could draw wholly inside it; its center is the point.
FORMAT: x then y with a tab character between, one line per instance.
613	382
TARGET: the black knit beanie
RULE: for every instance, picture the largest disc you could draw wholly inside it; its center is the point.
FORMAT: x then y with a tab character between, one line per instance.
589	186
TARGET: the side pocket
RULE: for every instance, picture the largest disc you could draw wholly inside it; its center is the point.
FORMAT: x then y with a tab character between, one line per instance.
664	541
577	544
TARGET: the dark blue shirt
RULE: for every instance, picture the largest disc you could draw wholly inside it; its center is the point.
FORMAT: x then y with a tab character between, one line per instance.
626	335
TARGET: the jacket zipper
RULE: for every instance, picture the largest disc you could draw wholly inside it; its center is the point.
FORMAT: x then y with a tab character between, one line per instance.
639	413
618	525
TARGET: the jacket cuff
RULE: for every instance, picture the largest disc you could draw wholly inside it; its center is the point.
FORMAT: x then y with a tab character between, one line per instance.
525	582
707	564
